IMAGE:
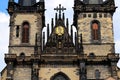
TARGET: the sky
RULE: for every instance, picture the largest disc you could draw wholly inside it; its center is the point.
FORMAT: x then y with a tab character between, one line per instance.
50	5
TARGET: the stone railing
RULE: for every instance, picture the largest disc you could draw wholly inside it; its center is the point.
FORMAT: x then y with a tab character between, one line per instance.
60	57
10	56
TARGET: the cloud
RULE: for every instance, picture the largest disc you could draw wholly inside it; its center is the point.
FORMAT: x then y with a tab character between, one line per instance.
4	37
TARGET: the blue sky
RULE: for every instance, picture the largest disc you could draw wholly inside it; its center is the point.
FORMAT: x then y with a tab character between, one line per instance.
50	4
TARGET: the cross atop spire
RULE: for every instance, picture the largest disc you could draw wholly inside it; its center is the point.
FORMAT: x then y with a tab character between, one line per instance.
60	9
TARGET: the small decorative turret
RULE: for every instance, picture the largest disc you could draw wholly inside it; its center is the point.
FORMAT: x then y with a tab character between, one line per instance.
41	1
43	40
81	44
11	0
56	17
36	46
76	40
52	24
67	24
47	31
10	7
71	33
27	2
63	17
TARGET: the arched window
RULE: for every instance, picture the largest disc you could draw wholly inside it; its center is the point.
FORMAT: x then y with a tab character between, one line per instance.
95	30
25	32
60	76
22	54
97	74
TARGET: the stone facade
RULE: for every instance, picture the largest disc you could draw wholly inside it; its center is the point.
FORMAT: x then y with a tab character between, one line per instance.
101	49
22	73
46	73
16	46
104	71
106	32
3	74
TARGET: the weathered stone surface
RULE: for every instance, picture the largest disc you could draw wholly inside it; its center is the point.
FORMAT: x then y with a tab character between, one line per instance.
106	33
104	71
47	73
33	19
4	74
22	73
18	50
99	50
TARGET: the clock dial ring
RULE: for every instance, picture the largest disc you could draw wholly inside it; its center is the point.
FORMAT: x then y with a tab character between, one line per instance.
59	30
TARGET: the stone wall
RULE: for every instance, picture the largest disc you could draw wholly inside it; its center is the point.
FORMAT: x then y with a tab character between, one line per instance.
104	71
99	50
18	50
4	74
22	73
48	72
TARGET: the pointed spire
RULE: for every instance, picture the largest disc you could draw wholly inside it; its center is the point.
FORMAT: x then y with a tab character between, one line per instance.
43	40
27	2
48	31
67	24
36	46
75	38
71	33
52	24
63	17
81	44
56	17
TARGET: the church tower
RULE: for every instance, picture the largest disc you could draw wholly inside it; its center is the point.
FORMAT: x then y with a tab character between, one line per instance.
27	20
94	19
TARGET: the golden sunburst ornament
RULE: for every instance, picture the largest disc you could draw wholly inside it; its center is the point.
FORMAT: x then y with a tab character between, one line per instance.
59	30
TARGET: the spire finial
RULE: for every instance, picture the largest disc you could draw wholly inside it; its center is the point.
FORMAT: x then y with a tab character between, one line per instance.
60	9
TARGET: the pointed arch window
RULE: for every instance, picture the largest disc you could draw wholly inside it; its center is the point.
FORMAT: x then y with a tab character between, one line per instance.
60	76
95	30
25	32
97	74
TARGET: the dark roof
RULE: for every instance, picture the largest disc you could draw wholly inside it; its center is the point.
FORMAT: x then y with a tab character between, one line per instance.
27	2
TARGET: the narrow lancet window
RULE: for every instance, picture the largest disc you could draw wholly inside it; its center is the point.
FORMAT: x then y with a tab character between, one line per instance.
25	32
95	30
17	31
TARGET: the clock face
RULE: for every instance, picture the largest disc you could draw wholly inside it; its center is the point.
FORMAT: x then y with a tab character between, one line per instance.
59	30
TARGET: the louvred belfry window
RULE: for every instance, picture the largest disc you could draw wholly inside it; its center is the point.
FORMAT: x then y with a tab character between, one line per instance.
95	31
25	32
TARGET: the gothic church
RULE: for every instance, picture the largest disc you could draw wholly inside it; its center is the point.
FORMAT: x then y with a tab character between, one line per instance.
88	54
